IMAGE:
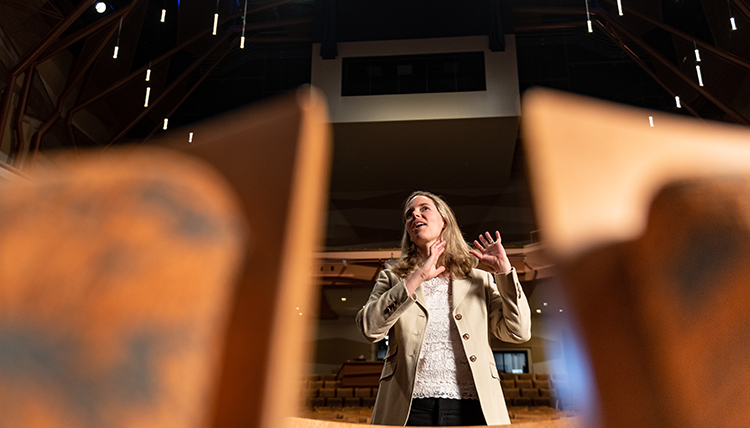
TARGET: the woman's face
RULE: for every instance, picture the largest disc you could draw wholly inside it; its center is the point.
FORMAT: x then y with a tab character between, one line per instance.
424	224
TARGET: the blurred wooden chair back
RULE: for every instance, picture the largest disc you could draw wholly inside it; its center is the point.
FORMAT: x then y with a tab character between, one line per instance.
277	157
147	287
650	229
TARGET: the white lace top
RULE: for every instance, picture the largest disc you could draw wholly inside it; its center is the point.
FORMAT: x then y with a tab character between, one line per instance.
442	370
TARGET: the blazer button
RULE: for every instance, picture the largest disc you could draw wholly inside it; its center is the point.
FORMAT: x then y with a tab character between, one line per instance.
473	358
458	316
466	336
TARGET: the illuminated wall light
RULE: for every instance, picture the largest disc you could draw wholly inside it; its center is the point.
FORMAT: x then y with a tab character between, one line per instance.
244	21
619	7
734	25
677	102
561	310
343	299
539	311
190	138
148	75
148	94
697	55
166	122
216	22
700	76
117	45
163	15
588	18
651	121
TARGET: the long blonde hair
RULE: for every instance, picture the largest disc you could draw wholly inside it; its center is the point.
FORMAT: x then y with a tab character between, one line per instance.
456	257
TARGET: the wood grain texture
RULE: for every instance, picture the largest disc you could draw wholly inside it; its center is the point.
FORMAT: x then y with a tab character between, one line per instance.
649	228
115	274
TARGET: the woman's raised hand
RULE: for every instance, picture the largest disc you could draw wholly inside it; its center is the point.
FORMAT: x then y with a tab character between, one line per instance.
428	269
491	252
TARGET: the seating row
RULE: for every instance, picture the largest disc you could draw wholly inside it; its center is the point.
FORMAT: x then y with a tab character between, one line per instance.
323	377
340	401
523	397
534	376
533	384
341	392
318	384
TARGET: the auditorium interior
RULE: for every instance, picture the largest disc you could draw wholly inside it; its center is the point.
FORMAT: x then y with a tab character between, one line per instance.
323	116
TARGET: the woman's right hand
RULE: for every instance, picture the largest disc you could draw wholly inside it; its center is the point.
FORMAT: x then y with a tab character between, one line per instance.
428	269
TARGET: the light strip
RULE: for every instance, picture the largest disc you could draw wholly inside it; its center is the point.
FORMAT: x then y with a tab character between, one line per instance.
651	121
190	138
163	14
588	17
216	22
148	75
619	7
677	101
697	55
166	121
734	25
117	49
700	76
148	94
242	42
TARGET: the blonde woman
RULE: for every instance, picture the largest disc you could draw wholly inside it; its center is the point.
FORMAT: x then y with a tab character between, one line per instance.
438	310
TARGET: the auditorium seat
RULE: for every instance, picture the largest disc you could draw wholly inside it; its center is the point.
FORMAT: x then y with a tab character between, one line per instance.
511	394
327	392
524	383
345	392
328	377
334	402
159	314
530	392
330	384
508	383
508	376
647	222
315	384
368	401
525	376
317	402
352	401
541	383
362	392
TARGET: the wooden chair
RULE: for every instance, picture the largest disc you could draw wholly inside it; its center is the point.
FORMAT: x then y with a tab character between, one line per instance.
649	228
151	288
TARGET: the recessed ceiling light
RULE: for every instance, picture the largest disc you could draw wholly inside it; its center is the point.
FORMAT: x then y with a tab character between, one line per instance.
100	7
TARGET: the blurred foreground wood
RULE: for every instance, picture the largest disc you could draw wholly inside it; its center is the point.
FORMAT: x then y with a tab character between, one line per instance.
146	287
650	228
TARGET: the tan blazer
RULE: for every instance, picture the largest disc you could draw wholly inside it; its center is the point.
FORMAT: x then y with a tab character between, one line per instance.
481	304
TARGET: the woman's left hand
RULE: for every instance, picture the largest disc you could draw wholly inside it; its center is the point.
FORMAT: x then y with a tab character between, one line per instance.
491	252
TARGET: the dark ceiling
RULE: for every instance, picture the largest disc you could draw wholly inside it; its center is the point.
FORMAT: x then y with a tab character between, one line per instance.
643	58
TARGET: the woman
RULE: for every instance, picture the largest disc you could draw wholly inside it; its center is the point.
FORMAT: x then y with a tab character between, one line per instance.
436	308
